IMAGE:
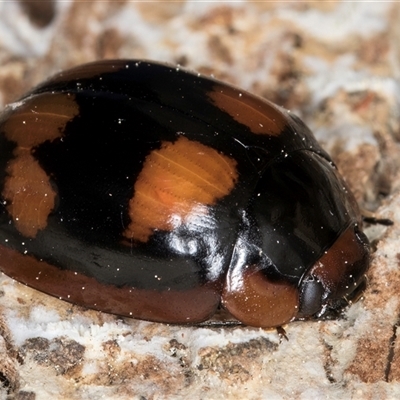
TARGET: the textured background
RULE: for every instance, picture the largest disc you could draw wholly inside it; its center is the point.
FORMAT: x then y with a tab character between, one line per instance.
335	64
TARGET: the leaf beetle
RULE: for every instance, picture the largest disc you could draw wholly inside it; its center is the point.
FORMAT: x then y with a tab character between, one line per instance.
143	190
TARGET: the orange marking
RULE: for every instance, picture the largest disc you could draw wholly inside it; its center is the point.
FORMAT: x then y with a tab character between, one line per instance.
40	118
177	181
259	115
256	301
29	194
192	305
27	189
89	70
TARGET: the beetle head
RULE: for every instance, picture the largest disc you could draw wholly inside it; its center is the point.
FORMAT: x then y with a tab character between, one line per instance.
337	278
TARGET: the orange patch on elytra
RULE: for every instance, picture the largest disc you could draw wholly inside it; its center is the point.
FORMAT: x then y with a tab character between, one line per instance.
178	180
88	71
30	197
27	190
261	116
40	118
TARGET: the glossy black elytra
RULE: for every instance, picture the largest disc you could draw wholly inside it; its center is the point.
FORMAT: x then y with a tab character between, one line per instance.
139	189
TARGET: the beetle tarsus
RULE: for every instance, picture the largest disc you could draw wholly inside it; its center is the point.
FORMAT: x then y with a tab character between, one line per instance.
282	334
378	221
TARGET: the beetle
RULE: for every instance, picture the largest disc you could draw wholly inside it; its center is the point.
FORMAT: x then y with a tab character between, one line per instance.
144	190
